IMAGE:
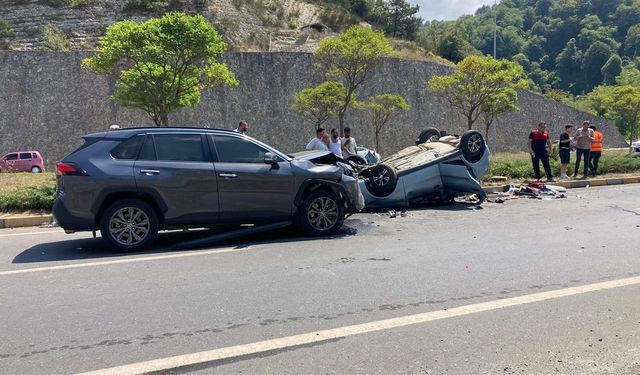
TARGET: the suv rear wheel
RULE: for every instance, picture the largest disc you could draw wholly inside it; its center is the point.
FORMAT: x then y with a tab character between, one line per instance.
129	224
321	213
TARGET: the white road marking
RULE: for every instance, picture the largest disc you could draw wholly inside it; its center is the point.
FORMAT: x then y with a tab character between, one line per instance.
30	233
358	329
121	261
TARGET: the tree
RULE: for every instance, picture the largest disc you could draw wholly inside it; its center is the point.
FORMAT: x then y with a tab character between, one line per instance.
167	62
503	102
620	104
401	19
319	103
380	108
351	57
594	59
632	42
569	67
612	69
478	81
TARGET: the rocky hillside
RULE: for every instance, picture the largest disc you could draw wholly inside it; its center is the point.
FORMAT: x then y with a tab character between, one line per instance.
247	25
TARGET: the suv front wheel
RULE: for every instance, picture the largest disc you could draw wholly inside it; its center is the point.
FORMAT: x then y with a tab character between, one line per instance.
129	224
321	213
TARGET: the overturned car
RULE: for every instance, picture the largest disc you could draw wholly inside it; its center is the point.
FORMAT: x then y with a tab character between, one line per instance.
436	167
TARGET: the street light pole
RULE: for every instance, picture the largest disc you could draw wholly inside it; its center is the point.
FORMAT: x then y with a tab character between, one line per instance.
494	124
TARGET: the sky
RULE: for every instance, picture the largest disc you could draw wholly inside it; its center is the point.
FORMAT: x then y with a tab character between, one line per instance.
447	9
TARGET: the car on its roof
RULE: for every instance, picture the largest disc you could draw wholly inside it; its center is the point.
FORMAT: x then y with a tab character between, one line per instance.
440	167
131	183
22	161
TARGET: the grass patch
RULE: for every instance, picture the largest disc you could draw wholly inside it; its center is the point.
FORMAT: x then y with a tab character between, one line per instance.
27	191
517	165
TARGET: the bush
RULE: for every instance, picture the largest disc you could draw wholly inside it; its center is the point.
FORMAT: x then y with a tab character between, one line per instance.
518	166
28	198
5	32
53	39
151	5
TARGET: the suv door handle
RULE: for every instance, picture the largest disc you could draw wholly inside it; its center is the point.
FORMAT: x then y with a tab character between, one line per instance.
150	172
228	175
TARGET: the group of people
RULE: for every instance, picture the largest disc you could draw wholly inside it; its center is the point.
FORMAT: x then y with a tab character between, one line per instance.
341	147
587	142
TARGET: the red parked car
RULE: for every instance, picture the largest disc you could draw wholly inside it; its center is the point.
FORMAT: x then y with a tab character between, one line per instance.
22	161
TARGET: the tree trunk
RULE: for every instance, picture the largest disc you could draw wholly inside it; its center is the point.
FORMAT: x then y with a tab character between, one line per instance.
487	125
377	141
164	119
470	121
341	120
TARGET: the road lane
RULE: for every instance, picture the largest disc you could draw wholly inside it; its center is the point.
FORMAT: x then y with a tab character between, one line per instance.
96	317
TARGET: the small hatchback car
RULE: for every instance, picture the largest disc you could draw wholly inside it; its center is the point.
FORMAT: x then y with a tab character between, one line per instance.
131	183
22	161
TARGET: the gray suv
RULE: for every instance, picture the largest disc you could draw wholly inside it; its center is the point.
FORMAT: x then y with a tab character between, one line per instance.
131	183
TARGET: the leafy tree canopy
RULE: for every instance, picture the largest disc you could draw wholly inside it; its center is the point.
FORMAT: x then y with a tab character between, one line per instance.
167	62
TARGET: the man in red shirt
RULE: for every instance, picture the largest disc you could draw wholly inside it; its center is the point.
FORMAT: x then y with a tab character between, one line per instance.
538	143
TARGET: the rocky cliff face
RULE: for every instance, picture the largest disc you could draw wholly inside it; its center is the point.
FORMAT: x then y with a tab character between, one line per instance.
246	24
48	103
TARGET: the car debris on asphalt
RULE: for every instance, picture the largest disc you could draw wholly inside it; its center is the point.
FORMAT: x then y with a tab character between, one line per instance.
534	190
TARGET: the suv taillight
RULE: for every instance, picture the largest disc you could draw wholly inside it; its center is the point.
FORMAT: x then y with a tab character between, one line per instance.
69	169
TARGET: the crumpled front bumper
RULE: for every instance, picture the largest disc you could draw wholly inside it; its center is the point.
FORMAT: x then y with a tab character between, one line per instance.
355	197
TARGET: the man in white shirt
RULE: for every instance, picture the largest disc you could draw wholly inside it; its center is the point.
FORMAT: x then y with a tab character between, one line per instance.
242	127
348	144
335	144
316	143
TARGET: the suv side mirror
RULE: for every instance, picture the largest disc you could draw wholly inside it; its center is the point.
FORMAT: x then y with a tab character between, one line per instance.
271	159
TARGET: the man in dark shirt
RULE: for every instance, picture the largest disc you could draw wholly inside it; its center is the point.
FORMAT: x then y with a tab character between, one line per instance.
565	151
538	143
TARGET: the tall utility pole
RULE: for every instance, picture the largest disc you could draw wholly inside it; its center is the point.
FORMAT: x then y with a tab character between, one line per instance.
494	123
495	27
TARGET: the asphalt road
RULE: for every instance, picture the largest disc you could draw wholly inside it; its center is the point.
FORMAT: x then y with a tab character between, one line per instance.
528	286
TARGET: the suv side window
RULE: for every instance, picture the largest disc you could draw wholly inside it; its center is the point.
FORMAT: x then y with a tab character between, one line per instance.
127	150
11	157
25	155
236	150
179	147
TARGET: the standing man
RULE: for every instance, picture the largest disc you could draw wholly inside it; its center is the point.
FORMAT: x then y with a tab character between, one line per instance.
596	150
348	144
564	147
335	144
242	127
538	143
584	137
317	143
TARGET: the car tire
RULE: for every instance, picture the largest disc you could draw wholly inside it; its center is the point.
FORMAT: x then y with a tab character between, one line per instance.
356	159
36	169
472	145
321	213
381	180
129	224
429	134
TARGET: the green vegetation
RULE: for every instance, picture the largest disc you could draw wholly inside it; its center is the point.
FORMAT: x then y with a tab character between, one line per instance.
168	61
379	108
481	86
350	58
571	45
148	5
54	39
26	191
517	165
319	103
5	31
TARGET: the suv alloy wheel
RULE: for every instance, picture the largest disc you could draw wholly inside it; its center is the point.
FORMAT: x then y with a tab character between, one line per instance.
321	213
129	224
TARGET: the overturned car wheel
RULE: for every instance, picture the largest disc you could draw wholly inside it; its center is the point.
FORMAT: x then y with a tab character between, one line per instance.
472	145
321	213
382	180
429	134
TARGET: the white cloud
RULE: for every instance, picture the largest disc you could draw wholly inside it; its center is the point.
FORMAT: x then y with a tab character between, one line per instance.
447	9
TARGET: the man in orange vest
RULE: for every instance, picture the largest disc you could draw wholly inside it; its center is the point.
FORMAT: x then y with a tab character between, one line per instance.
596	150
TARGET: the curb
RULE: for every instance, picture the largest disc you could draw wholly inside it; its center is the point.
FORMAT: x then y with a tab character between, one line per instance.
24	221
581	183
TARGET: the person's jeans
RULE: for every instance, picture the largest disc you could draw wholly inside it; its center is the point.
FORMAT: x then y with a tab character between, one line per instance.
579	153
544	158
593	161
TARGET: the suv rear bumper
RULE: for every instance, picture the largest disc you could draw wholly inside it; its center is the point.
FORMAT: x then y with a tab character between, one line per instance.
67	221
